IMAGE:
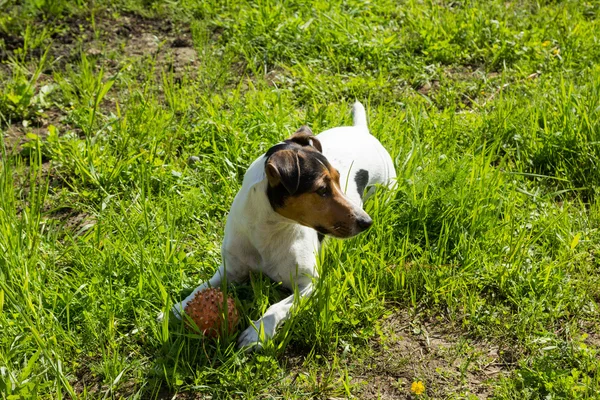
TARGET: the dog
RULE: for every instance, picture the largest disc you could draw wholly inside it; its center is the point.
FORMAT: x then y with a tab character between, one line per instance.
299	191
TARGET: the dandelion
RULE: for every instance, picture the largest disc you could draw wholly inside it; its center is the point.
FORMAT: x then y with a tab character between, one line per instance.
546	43
417	388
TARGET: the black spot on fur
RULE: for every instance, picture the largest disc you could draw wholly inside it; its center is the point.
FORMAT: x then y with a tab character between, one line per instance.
361	178
311	168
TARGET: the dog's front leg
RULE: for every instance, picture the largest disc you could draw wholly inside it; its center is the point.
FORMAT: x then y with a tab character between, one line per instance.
264	328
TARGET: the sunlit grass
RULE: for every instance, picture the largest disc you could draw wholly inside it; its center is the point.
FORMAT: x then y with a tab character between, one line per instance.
493	226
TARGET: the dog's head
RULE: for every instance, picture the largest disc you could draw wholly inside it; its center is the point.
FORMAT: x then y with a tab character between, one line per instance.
304	187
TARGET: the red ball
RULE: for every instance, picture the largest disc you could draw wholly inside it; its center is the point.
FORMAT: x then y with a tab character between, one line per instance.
207	310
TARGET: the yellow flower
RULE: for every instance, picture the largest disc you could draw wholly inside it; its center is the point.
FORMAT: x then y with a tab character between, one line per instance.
546	43
417	387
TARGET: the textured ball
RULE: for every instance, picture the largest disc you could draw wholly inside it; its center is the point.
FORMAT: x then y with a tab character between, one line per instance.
205	310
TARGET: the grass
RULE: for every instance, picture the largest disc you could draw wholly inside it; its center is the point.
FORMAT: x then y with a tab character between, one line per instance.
479	277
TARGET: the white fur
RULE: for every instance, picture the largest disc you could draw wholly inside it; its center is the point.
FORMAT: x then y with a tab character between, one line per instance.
259	239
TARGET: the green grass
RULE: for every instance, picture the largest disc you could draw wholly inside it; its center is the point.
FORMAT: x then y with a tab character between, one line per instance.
491	111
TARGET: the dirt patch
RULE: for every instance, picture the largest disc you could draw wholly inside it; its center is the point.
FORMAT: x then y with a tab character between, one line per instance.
428	87
114	42
439	353
275	76
18	135
72	220
86	380
591	330
448	362
11	42
593	339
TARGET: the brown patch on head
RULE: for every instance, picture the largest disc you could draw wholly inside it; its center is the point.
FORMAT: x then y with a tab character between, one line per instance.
324	207
304	187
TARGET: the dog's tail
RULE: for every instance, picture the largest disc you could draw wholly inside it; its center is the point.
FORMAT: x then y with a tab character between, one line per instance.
359	115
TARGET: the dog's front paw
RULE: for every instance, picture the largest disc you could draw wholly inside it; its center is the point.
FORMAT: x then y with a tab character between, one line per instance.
249	340
176	312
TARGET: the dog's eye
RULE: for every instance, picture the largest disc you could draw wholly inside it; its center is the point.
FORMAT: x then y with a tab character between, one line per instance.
322	191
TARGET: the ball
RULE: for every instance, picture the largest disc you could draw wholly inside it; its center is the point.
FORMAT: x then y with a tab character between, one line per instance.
207	310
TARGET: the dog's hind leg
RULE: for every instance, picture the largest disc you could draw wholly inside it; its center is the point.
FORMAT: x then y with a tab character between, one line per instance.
264	328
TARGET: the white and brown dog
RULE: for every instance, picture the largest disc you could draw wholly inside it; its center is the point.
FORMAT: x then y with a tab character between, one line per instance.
300	190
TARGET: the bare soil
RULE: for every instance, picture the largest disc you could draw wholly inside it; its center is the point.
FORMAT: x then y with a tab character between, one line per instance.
435	352
114	43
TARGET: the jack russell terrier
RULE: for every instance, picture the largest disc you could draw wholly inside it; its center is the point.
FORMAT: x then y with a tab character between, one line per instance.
300	190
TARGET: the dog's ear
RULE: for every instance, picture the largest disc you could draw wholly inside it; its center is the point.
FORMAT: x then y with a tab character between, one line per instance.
305	137
284	167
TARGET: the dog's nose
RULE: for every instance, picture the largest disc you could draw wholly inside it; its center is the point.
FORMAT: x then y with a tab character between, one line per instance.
364	223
